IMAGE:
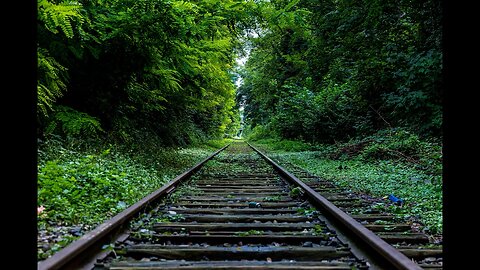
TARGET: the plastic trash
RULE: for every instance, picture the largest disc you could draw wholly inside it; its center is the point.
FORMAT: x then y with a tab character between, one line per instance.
395	200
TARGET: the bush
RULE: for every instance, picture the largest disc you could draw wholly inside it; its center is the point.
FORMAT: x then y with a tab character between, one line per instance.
393	144
260	132
218	143
285	145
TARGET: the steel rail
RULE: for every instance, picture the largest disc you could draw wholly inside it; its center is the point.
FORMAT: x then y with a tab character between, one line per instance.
391	254
81	245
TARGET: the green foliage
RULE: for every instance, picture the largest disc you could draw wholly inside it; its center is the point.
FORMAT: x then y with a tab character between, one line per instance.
421	191
388	162
414	96
54	47
326	115
233	123
60	15
51	81
275	198
295	192
397	145
217	144
311	212
285	145
392	144
259	132
63	190
164	67
101	180
97	185
318	228
329	71
74	123
148	100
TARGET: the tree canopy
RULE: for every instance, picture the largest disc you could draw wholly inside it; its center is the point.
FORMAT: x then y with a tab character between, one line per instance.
318	70
165	66
322	71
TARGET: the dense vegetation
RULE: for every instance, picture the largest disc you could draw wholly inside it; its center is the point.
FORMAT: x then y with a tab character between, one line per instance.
132	92
325	71
80	186
353	91
318	71
388	162
122	84
120	67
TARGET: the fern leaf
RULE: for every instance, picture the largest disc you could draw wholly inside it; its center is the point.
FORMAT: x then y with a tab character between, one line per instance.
50	83
60	16
66	26
74	123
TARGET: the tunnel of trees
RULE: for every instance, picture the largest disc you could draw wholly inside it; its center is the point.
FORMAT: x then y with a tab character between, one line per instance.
131	93
317	71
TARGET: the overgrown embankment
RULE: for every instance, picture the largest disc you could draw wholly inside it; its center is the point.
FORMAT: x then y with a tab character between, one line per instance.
389	162
79	186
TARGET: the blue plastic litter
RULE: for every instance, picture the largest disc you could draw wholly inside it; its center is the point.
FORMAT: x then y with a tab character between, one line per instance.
395	200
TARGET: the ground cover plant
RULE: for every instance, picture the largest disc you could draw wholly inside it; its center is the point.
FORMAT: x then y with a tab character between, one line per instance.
390	162
81	188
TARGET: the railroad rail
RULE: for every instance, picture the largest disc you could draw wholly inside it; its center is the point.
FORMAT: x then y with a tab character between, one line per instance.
238	209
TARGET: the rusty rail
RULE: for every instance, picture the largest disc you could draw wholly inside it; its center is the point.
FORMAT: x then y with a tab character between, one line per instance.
392	255
76	250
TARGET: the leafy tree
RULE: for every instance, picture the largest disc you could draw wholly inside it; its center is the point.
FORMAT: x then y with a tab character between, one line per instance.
330	70
145	65
52	76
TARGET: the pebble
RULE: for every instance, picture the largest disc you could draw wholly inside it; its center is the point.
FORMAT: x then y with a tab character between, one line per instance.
45	247
77	231
307	244
430	259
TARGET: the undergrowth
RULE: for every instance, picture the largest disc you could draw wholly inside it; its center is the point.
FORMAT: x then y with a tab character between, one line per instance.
391	161
81	185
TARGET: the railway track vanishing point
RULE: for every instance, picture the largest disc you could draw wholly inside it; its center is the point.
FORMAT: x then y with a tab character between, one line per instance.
238	209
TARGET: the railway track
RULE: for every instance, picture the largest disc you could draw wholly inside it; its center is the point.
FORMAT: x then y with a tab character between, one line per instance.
399	233
238	209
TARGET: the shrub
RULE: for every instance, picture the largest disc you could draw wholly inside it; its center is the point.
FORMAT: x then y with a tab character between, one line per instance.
218	143
285	145
260	132
393	143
